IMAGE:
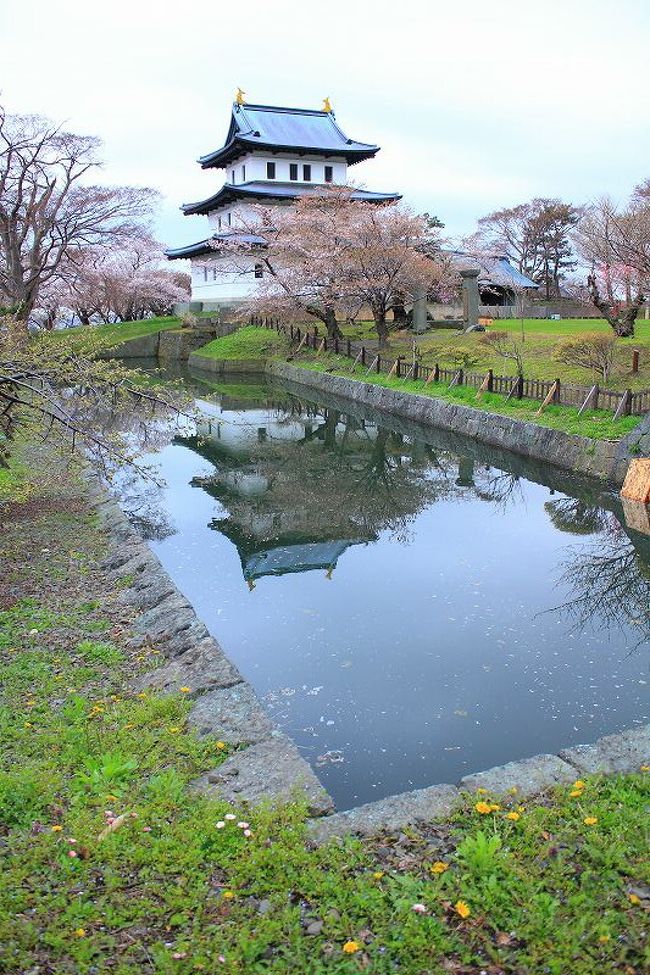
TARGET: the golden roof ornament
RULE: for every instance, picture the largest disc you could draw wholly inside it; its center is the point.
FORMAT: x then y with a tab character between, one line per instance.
239	97
327	105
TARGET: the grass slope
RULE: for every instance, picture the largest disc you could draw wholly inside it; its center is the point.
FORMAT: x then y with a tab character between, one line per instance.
246	343
552	886
597	424
121	331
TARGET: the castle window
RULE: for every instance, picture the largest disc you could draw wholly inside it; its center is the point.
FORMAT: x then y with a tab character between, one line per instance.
329	174
219	222
229	220
259	270
214	274
306	173
293	170
270	170
205	274
233	176
243	174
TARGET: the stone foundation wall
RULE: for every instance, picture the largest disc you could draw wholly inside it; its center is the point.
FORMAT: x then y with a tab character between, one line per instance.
597	458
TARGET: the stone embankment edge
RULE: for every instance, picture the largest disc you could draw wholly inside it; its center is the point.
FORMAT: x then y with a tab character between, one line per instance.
625	752
251	367
224	704
597	458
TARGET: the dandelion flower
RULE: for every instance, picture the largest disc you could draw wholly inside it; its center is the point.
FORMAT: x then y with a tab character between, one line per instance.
79	932
634	899
378	874
173	731
604	938
351	947
579	784
590	820
419	908
142	695
483	808
228	895
575	793
494	807
481	791
185	690
644	768
220	746
57	829
462	909
514	816
439	866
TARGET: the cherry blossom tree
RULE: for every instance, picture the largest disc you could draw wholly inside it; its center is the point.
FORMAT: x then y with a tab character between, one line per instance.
615	243
49	210
329	254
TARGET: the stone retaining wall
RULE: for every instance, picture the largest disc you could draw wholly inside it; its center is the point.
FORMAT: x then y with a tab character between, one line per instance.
596	458
250	367
225	705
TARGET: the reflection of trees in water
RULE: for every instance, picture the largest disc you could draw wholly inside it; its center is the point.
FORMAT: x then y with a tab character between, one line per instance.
143	504
608	580
576	516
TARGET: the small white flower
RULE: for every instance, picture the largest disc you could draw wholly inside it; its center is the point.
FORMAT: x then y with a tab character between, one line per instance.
419	908
230	816
220	824
248	832
242	825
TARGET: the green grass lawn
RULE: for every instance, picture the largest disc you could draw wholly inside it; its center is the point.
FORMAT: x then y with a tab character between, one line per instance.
121	331
449	346
249	342
548	886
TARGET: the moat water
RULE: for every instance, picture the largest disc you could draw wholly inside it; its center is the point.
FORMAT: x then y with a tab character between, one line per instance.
409	605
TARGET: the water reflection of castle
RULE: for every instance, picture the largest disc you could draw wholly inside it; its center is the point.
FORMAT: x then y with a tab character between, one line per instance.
301	484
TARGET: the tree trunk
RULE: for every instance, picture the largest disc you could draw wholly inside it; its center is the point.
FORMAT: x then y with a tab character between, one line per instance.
400	317
331	324
382	327
622	320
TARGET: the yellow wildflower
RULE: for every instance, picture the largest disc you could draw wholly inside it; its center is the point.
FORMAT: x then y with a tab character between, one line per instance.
80	933
57	829
513	791
462	909
378	874
590	820
634	899
579	784
645	768
351	947
185	690
439	866
604	938
228	894
220	746
141	695
483	808
494	807
514	816
575	793
173	731
481	791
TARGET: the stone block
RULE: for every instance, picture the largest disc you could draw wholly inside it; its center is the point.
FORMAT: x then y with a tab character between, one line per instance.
202	668
624	752
528	776
636	486
272	770
393	813
233	714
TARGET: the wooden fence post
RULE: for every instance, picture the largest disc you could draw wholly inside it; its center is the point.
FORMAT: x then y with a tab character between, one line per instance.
635	360
558	390
591	400
363	355
378	363
348	348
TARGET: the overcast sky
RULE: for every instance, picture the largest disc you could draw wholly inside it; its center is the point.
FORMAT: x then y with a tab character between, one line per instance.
476	105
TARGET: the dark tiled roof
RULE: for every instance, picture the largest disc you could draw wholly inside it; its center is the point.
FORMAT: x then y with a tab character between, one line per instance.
203	247
263	190
494	269
285	129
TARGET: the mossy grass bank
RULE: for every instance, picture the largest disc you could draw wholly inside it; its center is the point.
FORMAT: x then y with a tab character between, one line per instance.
111	865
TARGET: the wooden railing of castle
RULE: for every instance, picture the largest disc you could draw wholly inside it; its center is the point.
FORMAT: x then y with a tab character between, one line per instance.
621	402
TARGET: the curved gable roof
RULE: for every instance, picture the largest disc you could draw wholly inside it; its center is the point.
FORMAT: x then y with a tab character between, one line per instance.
285	129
